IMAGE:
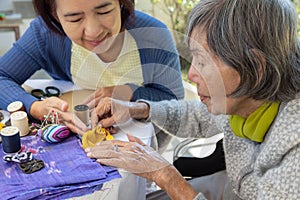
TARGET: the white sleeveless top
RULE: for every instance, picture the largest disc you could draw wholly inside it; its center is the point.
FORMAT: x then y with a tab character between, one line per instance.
90	72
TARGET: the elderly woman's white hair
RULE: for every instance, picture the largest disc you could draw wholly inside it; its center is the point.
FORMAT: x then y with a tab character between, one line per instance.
258	38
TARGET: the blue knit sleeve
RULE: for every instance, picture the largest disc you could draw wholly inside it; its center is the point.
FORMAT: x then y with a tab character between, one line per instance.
38	48
159	59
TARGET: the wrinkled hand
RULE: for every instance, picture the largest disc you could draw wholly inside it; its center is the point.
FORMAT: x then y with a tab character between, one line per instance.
41	108
133	156
110	112
122	92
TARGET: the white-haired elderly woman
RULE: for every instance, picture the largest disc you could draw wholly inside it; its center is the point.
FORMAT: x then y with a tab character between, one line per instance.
246	68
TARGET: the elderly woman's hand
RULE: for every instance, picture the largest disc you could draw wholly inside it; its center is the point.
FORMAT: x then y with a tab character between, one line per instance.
39	109
133	156
112	111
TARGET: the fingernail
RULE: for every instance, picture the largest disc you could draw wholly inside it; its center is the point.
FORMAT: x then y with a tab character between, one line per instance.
89	154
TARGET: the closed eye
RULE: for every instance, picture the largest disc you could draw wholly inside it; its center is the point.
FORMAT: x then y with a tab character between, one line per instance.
104	13
77	20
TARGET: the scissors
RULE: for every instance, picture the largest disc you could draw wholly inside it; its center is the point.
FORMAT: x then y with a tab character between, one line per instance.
50	91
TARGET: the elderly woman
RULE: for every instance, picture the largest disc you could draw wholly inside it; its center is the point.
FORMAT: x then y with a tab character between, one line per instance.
246	68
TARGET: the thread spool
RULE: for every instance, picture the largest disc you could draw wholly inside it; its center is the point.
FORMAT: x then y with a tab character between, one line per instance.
11	142
20	120
15	106
82	112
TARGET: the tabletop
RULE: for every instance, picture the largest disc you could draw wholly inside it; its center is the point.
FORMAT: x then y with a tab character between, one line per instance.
117	188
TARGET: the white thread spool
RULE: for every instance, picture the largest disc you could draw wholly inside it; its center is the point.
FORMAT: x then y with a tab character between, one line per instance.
15	106
20	120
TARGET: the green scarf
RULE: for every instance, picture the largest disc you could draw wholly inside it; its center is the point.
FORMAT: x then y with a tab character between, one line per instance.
257	124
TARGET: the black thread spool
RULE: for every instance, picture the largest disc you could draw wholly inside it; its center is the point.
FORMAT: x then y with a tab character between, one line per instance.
11	142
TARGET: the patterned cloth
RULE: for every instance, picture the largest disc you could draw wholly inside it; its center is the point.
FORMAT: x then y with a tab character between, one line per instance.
68	172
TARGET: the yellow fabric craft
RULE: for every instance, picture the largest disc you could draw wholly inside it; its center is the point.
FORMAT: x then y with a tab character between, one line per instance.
92	137
257	124
1	126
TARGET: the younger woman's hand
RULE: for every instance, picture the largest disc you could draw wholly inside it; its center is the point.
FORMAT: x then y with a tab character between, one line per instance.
122	92
39	109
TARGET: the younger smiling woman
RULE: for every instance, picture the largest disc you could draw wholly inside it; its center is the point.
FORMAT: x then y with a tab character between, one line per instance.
102	45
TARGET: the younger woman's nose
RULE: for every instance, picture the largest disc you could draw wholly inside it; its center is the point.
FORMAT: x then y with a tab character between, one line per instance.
93	27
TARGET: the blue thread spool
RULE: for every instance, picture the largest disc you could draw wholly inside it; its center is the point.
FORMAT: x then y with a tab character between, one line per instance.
11	142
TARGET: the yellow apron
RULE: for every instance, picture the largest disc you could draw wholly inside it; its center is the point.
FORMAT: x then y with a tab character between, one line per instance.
90	72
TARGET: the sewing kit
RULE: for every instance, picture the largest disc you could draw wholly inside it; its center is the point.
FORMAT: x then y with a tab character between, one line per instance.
48	130
16	126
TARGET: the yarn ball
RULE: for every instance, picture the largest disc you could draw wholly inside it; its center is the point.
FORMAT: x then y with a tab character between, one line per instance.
54	133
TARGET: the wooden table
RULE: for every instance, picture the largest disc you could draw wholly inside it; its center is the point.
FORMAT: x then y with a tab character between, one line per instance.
12	24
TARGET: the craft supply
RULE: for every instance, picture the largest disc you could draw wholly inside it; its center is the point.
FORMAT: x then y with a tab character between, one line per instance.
18	157
82	112
50	118
53	133
20	120
10	139
15	106
1	116
50	91
5	117
31	166
49	130
92	137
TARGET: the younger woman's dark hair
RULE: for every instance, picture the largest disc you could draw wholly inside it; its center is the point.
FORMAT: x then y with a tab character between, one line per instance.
47	8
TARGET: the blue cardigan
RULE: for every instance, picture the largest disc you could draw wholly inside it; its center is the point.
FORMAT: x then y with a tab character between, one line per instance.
41	48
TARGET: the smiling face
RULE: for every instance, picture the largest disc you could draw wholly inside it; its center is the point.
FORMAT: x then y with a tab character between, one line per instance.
90	23
215	80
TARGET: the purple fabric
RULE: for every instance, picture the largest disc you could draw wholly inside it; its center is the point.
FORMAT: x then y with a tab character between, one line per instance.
68	172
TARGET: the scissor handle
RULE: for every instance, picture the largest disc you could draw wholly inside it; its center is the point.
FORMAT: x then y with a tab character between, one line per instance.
38	93
52	91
